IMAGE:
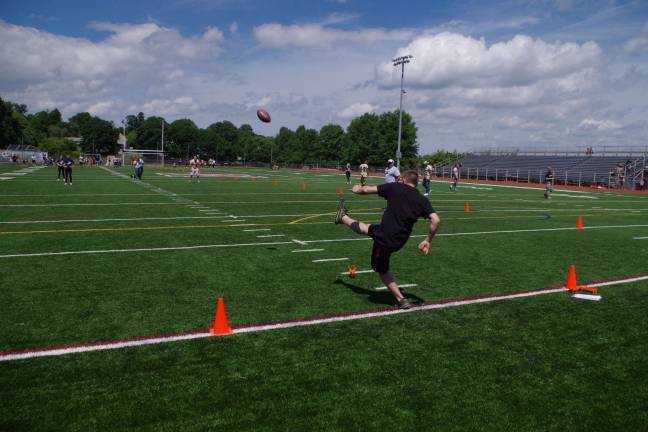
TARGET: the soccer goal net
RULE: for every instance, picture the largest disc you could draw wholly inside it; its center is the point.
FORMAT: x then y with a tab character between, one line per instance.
150	157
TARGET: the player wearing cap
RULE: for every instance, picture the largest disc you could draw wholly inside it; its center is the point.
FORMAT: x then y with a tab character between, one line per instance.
427	174
364	173
392	173
195	169
405	205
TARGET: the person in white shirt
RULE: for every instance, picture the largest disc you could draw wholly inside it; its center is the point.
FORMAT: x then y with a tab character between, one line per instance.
195	169
456	174
364	173
391	172
427	174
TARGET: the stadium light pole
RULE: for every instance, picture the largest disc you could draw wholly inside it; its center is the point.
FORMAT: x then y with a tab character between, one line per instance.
162	142
400	61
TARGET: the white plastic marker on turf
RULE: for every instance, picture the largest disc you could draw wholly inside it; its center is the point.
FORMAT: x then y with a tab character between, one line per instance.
587	297
98	346
384	288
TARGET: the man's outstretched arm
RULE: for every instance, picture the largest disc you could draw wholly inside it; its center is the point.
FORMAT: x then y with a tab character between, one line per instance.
424	246
363	190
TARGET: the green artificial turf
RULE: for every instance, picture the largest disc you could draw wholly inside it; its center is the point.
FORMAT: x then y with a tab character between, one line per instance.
549	363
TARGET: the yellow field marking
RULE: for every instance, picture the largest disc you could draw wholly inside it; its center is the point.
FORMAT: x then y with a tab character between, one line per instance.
297	221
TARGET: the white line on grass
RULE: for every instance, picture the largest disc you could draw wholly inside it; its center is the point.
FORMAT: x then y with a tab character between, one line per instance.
211	246
271	235
358	272
306	250
300	242
640	238
329	260
384	288
254	230
99	346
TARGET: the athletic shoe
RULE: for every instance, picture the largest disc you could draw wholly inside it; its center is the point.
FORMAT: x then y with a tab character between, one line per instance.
425	194
341	212
405	303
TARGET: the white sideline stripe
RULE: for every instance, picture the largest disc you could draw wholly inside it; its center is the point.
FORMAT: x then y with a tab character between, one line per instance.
358	272
640	238
109	220
306	250
329	260
384	288
300	242
271	235
210	246
297	323
254	230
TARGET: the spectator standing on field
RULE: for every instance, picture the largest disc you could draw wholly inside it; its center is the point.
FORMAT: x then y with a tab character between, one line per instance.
364	172
67	171
549	182
392	173
427	174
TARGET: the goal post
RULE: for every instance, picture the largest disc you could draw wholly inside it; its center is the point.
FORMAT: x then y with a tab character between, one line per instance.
150	157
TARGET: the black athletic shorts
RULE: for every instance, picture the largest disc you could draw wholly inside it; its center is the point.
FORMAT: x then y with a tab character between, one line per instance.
380	254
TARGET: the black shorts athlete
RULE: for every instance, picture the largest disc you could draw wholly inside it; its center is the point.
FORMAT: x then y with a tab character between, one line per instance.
405	205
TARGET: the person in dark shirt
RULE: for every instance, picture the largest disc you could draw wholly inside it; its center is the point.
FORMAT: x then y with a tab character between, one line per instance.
67	164
549	182
61	169
405	205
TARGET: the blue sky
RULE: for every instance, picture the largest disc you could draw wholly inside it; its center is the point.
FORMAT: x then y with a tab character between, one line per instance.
513	73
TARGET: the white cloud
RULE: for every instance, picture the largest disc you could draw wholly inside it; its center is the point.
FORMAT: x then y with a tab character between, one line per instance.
638	44
234	27
276	35
599	125
450	59
357	109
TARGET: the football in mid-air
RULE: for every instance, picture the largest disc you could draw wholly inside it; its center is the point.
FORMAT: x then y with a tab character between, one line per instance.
263	115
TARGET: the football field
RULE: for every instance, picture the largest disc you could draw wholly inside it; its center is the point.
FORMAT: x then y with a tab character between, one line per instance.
493	345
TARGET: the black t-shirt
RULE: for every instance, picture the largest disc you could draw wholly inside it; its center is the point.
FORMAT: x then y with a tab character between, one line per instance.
404	206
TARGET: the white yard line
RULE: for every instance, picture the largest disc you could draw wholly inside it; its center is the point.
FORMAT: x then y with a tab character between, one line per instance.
210	246
306	250
254	328
271	235
358	272
329	260
255	230
384	288
300	242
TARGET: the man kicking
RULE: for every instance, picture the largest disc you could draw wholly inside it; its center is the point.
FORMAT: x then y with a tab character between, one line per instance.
404	206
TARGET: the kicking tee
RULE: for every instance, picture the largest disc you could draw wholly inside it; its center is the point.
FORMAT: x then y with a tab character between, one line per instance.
405	205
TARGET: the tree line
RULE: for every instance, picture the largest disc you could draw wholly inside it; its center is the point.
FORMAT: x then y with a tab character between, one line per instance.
370	136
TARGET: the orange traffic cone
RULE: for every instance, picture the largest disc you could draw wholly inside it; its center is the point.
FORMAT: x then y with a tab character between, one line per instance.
352	271
579	224
467	207
341	191
571	279
304	187
275	182
221	327
253	179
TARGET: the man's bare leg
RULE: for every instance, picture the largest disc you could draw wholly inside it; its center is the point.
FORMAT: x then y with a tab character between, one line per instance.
356	226
390	283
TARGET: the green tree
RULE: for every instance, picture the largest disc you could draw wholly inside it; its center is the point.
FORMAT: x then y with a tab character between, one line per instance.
149	135
331	143
10	131
58	147
99	136
183	138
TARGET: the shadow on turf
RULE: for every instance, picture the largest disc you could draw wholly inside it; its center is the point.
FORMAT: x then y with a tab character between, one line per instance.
378	297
